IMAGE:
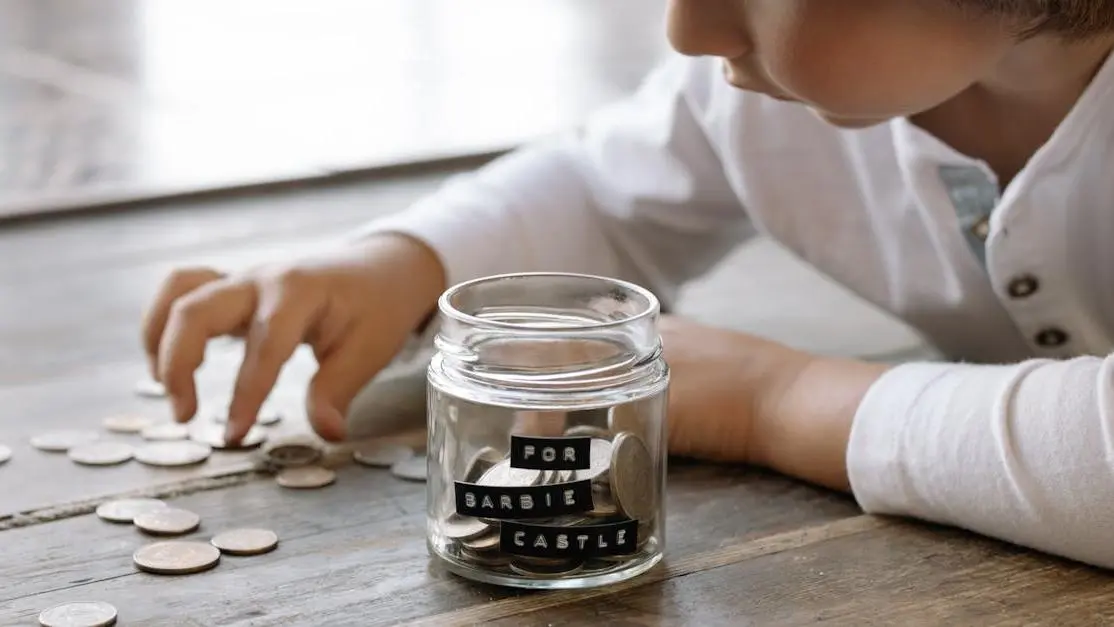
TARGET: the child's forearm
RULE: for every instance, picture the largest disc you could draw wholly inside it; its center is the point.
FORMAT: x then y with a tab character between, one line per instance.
805	431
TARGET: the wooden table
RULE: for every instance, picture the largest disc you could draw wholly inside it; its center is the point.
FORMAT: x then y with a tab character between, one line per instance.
744	547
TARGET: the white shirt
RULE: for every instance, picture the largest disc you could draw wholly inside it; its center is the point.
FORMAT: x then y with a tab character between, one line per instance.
658	188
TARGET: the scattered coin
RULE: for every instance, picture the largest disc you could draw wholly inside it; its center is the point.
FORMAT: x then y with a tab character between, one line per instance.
292	451
214	437
463	528
481	462
81	614
149	388
167	521
101	453
412	468
62	441
125	510
381	454
502	474
305	477
265	418
165	431
176	557
632	480
5	454
126	423
246	541
178	453
544	570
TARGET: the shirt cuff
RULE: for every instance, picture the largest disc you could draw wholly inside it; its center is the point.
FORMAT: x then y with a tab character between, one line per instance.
904	456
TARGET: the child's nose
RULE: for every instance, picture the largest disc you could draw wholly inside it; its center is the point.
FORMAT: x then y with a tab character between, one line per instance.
707	28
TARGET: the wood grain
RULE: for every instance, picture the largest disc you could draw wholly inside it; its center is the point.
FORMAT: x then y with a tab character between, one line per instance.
352	553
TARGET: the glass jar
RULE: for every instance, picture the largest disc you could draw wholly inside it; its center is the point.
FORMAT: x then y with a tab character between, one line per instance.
547	431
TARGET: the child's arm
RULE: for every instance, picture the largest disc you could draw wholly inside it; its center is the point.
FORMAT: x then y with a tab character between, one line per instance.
638	194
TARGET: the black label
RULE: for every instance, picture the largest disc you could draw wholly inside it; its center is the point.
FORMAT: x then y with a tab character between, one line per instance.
547	541
539	501
573	453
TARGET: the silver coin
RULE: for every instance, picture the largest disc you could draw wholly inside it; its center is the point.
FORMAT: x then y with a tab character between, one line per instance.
80	614
480	463
176	557
214	436
490	559
381	454
149	388
125	510
588	431
101	453
305	477
5	454
502	475
291	455
463	528
632	477
179	453
600	461
603	503
412	469
126	423
167	521
246	541
482	543
265	418
541	570
165	431
62	441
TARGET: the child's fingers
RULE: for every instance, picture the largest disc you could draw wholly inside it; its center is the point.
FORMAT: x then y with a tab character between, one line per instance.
178	284
341	375
274	335
214	309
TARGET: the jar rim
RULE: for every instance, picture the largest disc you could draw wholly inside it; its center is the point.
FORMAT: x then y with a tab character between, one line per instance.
447	309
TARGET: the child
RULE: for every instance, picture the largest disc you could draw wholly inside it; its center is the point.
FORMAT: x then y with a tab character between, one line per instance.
949	160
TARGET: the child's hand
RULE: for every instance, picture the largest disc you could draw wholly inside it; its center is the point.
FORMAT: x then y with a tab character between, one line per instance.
722	383
354	308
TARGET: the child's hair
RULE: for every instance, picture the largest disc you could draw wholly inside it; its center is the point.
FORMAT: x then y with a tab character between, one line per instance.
1075	19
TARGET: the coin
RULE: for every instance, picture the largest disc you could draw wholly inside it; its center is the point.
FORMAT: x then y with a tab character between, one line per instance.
480	463
265	418
214	436
292	454
101	453
62	441
381	454
305	477
632	480
5	453
126	423
490	559
179	453
588	431
503	475
149	388
165	431
599	461
246	541
176	557
125	510
463	528
412	469
81	614
485	542
534	568
603	503
167	521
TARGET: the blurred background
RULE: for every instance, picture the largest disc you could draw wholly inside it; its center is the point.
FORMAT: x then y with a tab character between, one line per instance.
110	100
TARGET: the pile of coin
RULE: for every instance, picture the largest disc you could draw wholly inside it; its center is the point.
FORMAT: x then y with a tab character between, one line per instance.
622	482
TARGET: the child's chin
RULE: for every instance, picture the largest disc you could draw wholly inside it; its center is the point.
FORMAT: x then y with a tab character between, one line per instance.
847	122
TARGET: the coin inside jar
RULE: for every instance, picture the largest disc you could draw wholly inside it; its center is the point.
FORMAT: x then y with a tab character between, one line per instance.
483	542
502	475
545	569
462	528
632	481
600	461
167	521
480	463
80	614
246	541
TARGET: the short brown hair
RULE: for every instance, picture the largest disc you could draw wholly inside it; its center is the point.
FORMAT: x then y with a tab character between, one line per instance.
1070	18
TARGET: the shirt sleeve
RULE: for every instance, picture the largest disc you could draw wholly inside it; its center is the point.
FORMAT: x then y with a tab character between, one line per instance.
1023	453
638	193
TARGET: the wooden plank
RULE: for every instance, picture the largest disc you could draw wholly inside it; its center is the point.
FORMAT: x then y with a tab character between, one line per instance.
903	574
350	553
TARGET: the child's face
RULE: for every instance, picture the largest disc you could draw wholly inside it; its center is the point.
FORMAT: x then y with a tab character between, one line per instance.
855	62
